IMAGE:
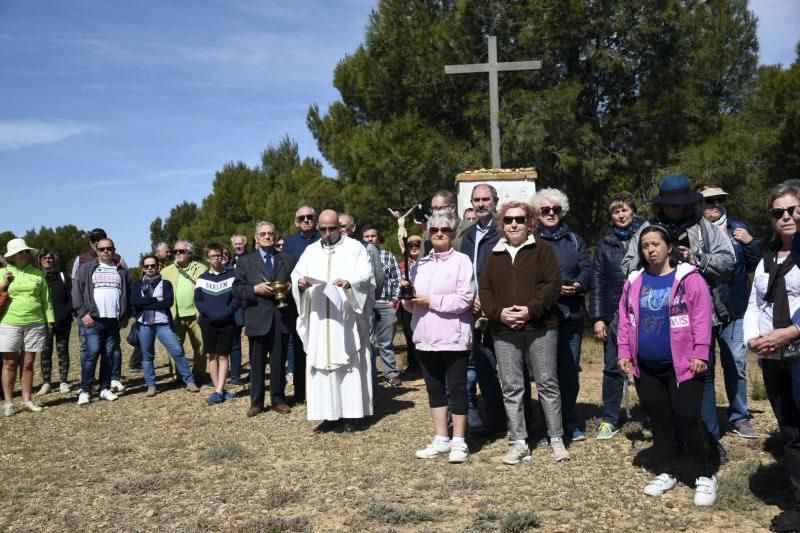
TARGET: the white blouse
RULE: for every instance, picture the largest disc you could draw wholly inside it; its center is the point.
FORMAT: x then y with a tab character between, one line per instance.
758	317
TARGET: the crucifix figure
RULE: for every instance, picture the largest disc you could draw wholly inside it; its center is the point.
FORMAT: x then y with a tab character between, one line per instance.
493	67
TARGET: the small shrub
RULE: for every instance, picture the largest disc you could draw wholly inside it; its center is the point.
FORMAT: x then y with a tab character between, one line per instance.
278	497
272	524
145	484
219	453
519	521
757	389
464	483
399	515
734	488
485	520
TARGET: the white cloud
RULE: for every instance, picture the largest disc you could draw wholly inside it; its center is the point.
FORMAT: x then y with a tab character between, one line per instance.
19	134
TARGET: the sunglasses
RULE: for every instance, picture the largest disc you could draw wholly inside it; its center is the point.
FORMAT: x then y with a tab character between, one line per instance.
302	218
777	212
215	256
518	220
556	210
176	252
715	200
46	258
327	229
106	249
435	230
414	245
148	266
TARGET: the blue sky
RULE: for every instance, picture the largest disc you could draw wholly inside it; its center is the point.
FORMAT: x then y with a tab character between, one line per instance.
114	112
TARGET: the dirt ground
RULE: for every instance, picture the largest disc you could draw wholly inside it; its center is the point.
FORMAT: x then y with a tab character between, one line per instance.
175	463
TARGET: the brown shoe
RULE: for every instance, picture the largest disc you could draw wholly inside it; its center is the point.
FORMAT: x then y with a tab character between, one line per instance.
192	387
151	391
254	411
282	408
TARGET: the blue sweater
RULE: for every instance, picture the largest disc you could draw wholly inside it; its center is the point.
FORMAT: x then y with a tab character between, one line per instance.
213	297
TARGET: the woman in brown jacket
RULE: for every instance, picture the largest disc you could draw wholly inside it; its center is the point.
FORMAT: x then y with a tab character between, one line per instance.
519	286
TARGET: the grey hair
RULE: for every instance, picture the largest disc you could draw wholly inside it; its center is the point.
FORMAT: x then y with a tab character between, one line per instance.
189	245
437	218
240	235
160	246
782	189
313	211
553	195
264	223
490	187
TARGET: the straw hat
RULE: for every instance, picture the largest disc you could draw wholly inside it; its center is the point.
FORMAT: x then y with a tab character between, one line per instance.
15	246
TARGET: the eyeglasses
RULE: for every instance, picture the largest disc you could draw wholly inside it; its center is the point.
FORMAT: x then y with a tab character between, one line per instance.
327	229
215	256
519	220
264	234
148	266
715	200
346	226
484	199
106	249
556	210
442	208
414	245
46	258
434	230
777	212
176	252
302	218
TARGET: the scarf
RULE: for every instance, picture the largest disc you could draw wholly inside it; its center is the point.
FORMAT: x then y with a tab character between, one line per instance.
723	220
149	284
624	234
52	275
776	288
553	235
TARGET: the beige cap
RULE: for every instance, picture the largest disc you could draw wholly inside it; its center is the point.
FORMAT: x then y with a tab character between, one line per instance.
16	246
713	192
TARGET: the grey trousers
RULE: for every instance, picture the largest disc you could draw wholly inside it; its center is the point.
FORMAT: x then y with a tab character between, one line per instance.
384	338
537	348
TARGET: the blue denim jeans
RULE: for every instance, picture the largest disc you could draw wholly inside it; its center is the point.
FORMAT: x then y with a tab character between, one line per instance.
483	373
167	337
708	405
102	340
570	338
613	380
384	338
733	356
236	356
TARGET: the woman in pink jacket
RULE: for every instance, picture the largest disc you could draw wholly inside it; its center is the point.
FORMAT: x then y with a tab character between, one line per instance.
441	318
664	339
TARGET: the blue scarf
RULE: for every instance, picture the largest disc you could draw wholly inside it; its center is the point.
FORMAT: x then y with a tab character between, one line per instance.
625	234
552	235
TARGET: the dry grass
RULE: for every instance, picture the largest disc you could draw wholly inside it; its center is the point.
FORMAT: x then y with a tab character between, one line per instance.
174	463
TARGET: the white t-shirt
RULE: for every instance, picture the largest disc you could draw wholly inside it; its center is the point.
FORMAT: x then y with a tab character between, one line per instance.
107	287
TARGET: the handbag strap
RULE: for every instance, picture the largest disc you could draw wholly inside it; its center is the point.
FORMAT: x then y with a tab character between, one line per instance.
185	274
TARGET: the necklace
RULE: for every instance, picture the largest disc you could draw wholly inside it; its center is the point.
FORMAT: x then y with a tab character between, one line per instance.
660	299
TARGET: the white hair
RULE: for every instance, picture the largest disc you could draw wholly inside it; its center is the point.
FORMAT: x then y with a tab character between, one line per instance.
264	223
437	218
160	246
189	245
554	195
240	235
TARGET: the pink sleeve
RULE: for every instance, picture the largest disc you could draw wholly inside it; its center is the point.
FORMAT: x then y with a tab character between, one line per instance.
701	317
624	325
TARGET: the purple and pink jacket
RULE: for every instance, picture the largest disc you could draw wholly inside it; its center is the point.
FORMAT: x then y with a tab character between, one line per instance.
446	279
690	320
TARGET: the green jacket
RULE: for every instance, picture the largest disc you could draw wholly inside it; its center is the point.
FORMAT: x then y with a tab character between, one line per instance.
29	297
172	274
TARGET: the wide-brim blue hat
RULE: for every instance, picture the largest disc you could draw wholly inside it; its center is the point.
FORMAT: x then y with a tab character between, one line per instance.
675	190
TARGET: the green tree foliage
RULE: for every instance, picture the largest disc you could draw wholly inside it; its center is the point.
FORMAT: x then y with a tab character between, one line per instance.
69	241
170	230
625	87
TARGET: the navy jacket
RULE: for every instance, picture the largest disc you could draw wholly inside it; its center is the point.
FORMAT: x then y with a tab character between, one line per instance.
484	246
150	303
295	244
733	292
607	278
214	299
574	264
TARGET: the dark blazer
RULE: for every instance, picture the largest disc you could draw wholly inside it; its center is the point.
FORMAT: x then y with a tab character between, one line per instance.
484	246
261	314
607	278
141	303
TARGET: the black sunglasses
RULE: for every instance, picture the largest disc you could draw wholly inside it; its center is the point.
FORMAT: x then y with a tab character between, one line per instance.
518	220
176	252
435	230
327	229
715	200
106	249
414	245
301	218
148	266
777	212
556	210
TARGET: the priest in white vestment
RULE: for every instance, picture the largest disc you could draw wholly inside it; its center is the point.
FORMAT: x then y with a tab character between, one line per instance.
334	288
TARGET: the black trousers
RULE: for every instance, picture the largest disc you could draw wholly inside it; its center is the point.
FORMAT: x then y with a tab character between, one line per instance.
61	337
273	345
299	379
440	366
675	410
411	351
778	381
135	362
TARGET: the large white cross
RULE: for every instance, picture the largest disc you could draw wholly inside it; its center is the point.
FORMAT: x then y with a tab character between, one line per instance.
493	67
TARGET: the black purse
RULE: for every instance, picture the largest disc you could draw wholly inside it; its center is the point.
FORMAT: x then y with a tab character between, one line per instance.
133	335
791	352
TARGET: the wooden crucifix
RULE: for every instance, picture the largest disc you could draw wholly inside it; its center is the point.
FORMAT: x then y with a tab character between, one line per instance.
493	67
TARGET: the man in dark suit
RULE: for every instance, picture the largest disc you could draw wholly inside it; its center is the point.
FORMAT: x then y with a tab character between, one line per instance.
266	326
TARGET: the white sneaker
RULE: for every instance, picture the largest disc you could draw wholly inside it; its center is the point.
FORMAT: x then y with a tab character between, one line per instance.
9	409
436	447
83	398
32	406
45	388
458	453
560	452
64	388
106	394
116	386
518	452
661	484
290	379
705	491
